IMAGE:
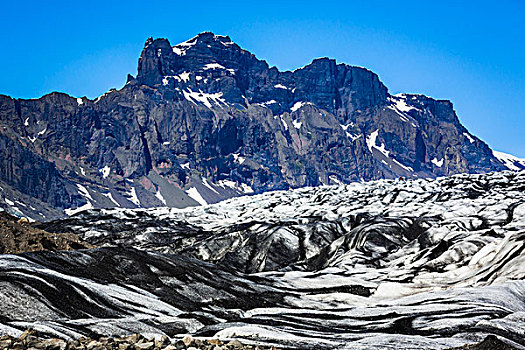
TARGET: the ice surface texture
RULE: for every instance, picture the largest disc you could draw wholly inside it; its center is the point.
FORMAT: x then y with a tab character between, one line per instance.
386	264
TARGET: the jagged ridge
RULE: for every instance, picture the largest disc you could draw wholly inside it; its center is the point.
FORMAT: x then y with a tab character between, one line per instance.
206	120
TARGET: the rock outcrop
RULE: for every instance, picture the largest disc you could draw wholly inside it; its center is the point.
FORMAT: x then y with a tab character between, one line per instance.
19	236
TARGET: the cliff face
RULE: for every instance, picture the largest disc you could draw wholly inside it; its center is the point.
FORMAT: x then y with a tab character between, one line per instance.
205	120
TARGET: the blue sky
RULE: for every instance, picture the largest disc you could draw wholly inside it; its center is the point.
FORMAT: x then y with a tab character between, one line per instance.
471	52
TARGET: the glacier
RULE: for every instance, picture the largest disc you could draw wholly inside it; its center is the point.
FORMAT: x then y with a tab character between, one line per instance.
387	264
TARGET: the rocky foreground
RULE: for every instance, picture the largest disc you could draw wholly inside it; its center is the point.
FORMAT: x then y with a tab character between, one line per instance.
29	340
420	264
18	236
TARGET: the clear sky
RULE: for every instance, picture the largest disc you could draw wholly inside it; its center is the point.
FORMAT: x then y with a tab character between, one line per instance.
471	52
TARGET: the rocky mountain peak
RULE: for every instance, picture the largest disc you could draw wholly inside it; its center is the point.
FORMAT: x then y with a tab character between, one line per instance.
209	37
155	61
214	64
324	62
204	58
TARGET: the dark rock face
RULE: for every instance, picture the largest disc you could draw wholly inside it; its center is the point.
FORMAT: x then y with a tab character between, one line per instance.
32	174
205	120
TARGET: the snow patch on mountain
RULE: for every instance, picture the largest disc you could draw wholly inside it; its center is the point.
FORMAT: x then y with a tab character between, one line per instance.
267	103
160	197
240	187
510	161
284	123
104	95
298	105
194	193
371	143
105	171
110	197
467	135
180	49
209	186
399	102
73	211
438	163
83	191
132	196
213	66
182	77
297	124
204	98
238	159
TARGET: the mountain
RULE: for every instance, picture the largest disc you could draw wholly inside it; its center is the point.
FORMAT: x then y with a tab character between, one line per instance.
415	264
205	120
